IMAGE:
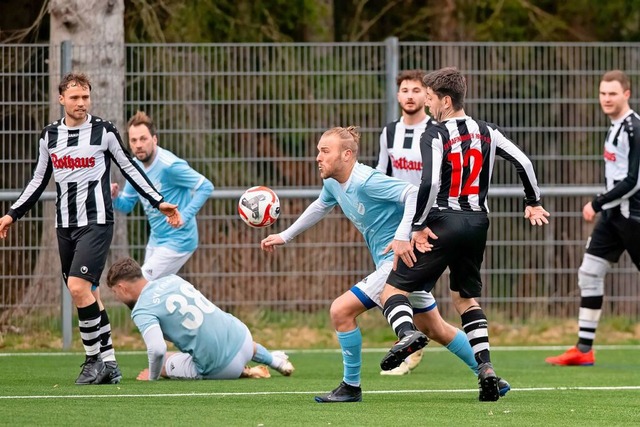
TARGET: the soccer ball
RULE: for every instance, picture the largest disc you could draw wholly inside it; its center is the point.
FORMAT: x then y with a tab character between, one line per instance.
259	207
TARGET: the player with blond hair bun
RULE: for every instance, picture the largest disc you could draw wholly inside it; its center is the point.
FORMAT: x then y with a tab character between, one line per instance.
381	208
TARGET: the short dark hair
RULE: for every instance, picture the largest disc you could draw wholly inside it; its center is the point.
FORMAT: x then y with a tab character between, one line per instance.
410	75
450	82
73	79
141	118
124	269
617	76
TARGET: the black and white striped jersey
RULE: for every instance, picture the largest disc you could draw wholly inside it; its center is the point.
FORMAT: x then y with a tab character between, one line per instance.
622	167
400	150
80	160
458	157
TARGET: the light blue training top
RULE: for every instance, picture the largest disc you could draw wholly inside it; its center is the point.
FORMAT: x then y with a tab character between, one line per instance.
180	185
191	322
374	203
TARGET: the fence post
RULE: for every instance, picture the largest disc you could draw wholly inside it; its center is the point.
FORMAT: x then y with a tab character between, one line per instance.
66	55
392	59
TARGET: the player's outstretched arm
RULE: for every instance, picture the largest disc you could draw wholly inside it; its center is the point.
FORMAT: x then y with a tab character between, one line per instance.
171	212
311	216
269	243
536	215
5	222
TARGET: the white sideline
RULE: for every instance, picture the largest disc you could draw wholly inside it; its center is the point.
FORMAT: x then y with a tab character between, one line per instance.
272	393
364	350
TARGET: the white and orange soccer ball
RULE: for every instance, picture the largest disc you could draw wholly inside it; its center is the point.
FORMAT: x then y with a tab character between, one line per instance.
259	207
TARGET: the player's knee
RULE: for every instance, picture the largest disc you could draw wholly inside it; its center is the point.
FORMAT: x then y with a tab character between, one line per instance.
343	316
80	291
591	275
337	312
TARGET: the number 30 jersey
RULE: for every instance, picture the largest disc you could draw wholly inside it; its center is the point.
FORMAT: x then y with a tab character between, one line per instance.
458	157
190	321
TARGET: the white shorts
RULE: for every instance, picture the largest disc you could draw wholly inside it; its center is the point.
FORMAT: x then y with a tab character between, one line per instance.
160	261
368	291
180	366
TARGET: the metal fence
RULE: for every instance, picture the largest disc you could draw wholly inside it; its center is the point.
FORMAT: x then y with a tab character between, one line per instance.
245	115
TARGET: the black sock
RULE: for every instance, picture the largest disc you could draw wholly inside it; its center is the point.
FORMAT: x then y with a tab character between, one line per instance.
399	314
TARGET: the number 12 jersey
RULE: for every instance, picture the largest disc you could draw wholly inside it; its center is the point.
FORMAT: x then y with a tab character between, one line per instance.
458	157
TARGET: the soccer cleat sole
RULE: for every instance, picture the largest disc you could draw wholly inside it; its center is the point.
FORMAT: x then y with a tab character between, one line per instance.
394	358
489	389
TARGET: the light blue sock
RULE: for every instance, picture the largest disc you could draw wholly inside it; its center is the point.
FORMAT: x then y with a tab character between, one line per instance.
460	347
262	355
351	345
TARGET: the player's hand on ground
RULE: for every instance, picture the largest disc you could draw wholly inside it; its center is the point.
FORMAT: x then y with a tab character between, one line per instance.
115	188
588	213
420	239
143	375
536	215
5	222
269	243
173	215
402	249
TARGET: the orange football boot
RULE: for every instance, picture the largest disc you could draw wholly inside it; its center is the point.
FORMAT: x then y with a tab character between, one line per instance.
573	357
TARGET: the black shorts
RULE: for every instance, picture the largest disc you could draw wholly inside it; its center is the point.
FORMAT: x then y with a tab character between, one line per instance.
84	251
612	235
462	239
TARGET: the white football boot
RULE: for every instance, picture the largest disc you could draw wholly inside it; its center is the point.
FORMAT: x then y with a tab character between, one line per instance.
407	365
281	363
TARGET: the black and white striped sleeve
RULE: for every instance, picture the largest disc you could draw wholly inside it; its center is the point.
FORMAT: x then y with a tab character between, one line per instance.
129	168
38	183
511	152
431	147
628	186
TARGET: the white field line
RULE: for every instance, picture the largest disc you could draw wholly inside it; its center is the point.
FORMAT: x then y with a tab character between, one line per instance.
274	393
364	350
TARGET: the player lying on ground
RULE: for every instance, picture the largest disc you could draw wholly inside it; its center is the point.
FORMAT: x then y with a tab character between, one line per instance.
214	344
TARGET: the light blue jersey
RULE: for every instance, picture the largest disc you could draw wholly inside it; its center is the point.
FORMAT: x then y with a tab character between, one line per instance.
374	204
191	322
180	185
